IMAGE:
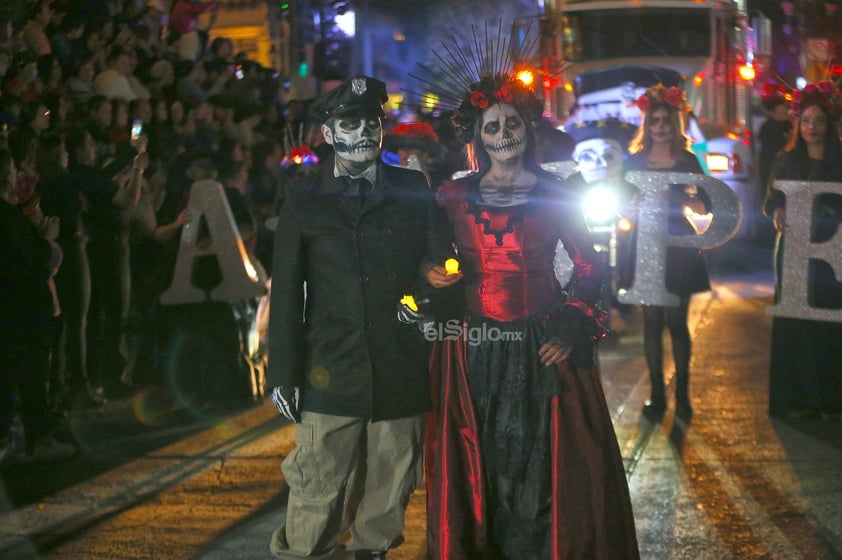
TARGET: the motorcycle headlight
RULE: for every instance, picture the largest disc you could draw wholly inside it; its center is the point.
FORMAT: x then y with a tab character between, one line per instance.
600	205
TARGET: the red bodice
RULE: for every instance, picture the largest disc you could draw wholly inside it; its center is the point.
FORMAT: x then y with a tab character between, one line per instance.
507	252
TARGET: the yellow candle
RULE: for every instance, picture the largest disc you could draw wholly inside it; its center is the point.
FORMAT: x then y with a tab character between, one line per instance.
451	266
409	301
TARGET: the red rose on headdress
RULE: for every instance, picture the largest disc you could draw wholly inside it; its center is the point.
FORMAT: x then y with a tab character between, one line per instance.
825	87
504	94
810	89
643	103
673	97
478	99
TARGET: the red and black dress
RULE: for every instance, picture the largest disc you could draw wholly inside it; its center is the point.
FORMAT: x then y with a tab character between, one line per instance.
522	459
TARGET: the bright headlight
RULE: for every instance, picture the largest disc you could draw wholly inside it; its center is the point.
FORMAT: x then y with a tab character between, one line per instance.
600	205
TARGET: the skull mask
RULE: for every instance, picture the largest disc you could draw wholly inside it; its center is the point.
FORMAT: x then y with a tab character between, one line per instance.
599	159
503	133
356	139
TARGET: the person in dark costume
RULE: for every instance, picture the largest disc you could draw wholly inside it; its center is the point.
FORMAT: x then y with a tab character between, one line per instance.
522	461
774	135
357	232
662	145
805	369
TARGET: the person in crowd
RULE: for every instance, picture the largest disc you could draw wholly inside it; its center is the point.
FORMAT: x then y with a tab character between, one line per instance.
161	79
27	260
23	80
264	181
352	378
113	82
100	114
35	28
774	133
522	460
111	194
65	40
191	82
184	22
661	144
50	74
64	196
805	367
34	120
81	82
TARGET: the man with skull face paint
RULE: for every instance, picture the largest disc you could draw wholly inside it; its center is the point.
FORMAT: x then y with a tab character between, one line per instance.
356	235
512	471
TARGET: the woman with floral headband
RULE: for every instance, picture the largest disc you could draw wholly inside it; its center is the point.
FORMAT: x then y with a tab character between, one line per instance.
805	372
662	145
522	459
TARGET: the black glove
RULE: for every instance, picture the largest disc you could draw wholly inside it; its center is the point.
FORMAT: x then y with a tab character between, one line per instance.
286	401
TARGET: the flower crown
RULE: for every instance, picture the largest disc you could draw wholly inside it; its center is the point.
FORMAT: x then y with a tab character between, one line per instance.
825	94
660	94
500	88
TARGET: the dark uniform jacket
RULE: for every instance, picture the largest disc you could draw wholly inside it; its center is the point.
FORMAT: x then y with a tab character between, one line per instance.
355	257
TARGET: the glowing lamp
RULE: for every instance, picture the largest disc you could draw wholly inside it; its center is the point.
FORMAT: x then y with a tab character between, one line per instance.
624	225
451	266
526	77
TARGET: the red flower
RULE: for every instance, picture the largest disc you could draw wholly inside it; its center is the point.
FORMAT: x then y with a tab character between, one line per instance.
643	103
810	89
825	87
504	94
673	97
478	99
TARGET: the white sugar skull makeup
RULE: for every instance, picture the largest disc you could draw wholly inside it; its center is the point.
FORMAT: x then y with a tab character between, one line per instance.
503	133
599	159
355	139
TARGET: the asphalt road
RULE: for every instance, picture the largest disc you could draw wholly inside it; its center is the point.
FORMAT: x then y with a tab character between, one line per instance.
206	484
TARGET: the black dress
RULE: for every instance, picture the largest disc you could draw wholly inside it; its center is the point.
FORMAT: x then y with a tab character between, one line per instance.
805	370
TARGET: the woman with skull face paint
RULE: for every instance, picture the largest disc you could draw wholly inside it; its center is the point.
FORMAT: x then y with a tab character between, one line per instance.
662	145
522	459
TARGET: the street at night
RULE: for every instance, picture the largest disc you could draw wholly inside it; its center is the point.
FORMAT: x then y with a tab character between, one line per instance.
735	484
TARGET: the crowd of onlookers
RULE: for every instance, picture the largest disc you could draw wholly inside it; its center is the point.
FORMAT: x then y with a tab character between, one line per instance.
76	77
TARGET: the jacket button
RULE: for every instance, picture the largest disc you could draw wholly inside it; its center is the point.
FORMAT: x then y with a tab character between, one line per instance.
387	231
360	234
364	278
368	324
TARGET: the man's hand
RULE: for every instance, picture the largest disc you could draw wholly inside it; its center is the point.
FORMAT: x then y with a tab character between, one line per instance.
286	401
554	351
408	315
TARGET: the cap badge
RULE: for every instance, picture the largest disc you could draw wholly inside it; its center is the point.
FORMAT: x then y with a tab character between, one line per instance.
358	86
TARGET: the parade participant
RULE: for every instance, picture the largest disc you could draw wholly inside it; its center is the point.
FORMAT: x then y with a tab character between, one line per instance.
415	146
774	133
806	361
661	144
341	366
522	460
599	153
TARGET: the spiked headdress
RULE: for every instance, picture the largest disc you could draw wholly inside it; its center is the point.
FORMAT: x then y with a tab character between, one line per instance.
468	79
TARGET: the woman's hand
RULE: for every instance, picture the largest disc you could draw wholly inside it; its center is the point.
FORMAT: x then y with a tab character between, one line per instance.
554	352
438	277
779	219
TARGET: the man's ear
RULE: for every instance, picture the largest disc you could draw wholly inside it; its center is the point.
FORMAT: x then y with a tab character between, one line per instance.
328	134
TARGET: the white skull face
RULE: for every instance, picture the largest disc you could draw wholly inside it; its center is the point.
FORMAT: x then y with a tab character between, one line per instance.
599	159
355	139
503	133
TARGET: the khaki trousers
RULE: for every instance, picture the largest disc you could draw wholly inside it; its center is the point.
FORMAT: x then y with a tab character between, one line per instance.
327	449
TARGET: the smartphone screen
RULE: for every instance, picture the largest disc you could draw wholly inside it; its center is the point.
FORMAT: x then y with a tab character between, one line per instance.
137	129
